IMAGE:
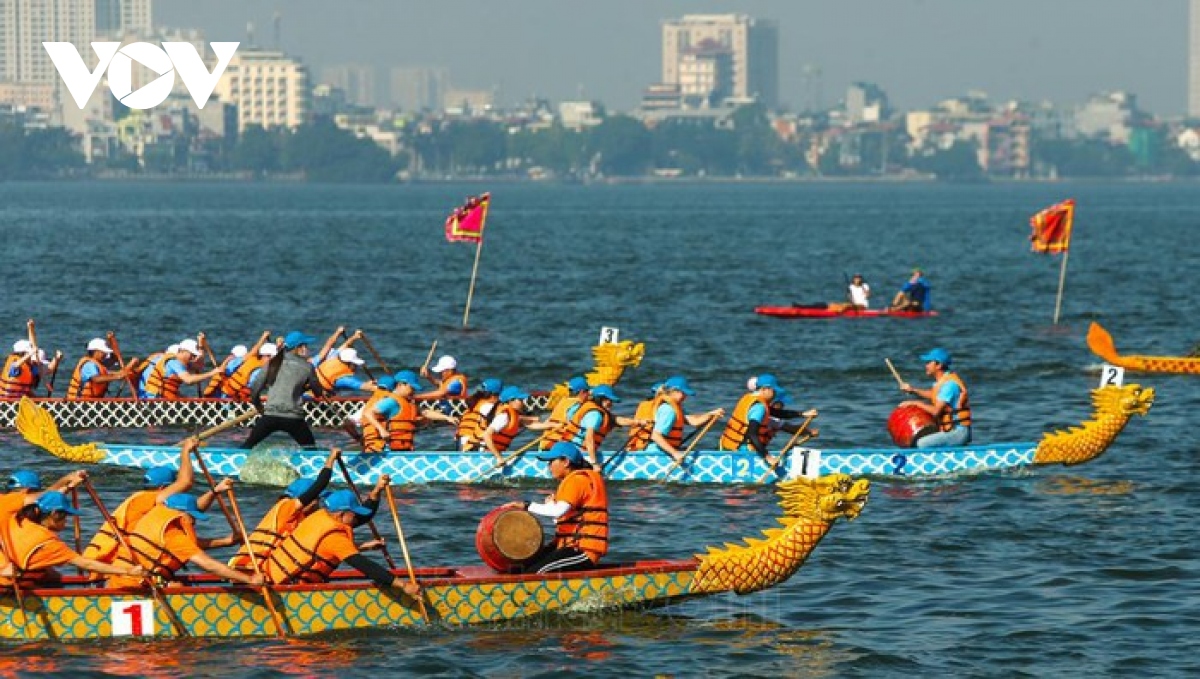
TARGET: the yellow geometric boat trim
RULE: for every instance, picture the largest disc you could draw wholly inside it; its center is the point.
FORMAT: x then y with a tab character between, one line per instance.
1101	344
1113	407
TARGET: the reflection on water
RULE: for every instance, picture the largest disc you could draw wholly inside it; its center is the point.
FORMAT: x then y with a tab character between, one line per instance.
1079	485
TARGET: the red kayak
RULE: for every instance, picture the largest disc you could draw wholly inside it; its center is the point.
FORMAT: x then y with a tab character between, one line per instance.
819	312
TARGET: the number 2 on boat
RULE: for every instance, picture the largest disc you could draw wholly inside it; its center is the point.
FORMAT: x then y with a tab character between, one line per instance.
899	461
1111	376
132	618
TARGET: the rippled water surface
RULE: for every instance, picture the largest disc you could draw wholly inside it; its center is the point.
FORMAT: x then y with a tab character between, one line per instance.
1060	572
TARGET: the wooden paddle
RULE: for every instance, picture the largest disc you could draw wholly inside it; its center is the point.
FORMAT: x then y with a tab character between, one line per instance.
155	589
53	374
370	524
371	348
504	462
792	442
679	462
412	575
429	357
895	373
78	527
130	379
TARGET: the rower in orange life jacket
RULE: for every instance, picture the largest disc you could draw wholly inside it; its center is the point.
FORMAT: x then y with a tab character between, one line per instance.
165	540
947	401
298	501
749	426
24	487
32	548
593	420
20	371
579	508
325	539
667	433
336	373
450	383
482	407
392	421
578	391
163	377
90	378
639	434
239	384
215	386
383	389
508	422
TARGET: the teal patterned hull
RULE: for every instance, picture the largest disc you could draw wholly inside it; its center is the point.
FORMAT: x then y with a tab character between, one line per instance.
709	466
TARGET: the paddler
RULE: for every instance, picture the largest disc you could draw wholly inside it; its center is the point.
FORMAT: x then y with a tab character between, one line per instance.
335	371
391	423
591	422
91	377
749	426
449	383
508	422
669	418
578	390
163	378
481	407
639	434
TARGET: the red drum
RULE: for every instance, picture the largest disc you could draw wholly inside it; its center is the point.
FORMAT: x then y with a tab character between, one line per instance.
508	538
909	423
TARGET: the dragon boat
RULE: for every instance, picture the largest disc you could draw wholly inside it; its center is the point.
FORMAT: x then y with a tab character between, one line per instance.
823	312
1101	343
1113	405
198	606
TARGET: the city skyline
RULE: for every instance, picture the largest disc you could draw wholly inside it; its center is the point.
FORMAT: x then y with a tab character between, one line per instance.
920	51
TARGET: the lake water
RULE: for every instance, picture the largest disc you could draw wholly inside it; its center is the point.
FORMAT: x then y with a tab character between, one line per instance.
1060	572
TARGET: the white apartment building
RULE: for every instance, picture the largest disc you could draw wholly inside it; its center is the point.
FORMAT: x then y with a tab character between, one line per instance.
26	24
692	45
268	87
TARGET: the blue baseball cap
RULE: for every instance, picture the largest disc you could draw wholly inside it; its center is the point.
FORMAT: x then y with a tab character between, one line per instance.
512	392
678	383
491	385
23	478
186	502
344	501
408	377
655	388
562	449
605	391
54	501
296	338
577	384
298	487
782	396
157	477
767	381
387	382
939	355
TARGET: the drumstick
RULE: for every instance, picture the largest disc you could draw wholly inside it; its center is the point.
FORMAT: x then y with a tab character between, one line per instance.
899	380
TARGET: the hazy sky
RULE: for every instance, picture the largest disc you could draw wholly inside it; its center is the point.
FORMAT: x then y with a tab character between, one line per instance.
920	51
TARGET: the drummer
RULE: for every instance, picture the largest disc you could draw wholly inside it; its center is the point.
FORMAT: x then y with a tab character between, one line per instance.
580	511
946	401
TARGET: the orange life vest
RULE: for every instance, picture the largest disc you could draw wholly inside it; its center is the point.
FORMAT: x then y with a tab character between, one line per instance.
675	436
558	418
639	435
473	422
279	523
25	540
159	386
237	385
962	409
503	438
739	422
331	370
586	528
148	540
104	546
21	384
461	379
298	557
77	390
574	427
401	428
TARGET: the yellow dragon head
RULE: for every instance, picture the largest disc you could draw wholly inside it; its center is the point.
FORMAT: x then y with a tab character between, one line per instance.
612	358
810	508
1114	406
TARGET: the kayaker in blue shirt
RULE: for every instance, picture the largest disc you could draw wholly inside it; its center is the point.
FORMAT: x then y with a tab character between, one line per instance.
914	296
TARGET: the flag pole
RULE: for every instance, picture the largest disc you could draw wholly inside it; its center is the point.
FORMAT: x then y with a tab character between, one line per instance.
1062	279
471	289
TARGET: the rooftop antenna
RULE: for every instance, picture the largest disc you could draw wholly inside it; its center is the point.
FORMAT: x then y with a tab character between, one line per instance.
277	23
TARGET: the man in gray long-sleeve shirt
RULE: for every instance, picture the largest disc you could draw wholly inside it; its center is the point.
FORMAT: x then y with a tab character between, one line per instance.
285	382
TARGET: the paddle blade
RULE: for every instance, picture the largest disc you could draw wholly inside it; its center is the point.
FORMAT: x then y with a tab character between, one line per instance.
38	427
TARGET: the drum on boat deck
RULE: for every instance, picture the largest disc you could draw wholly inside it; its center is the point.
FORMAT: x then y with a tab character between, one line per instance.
508	538
908	423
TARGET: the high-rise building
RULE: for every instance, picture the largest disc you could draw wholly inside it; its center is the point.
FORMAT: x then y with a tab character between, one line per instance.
1194	59
26	24
268	87
137	16
355	80
418	88
701	49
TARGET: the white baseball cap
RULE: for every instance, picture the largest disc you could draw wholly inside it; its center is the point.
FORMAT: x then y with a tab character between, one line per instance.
444	363
239	350
174	348
98	344
22	347
268	349
752	383
189	345
350	356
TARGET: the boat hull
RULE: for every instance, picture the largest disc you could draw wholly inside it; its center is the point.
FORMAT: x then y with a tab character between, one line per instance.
817	312
707	467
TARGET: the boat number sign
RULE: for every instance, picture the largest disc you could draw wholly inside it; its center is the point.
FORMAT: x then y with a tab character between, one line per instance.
1111	376
609	335
132	618
806	463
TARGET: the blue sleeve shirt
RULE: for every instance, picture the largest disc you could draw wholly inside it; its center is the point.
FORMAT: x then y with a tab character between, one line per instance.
348	383
174	367
387	408
664	422
592	421
757	412
87	372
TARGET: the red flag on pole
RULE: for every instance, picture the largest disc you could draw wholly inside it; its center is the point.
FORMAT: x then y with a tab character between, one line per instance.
1052	228
466	222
